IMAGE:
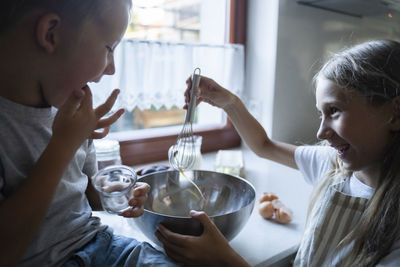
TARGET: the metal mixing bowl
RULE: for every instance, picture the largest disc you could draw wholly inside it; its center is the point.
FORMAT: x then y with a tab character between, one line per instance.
228	201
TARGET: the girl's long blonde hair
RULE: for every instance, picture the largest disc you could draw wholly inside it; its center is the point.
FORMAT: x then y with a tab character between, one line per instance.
372	69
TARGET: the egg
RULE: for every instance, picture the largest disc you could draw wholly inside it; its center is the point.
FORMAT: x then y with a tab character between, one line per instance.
272	208
283	215
268	197
266	209
277	204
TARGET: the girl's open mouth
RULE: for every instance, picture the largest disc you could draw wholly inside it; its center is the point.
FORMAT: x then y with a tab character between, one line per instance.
342	149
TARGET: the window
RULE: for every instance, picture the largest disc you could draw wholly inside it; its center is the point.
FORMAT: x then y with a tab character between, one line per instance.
146	134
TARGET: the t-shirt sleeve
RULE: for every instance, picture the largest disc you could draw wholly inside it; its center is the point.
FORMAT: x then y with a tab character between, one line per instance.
90	166
314	161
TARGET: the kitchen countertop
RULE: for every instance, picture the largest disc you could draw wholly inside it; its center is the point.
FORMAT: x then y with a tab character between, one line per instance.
261	242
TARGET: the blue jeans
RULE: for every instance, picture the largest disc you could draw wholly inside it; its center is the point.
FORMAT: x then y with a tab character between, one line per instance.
107	249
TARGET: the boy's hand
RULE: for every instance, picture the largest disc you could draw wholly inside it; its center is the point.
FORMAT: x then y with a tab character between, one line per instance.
210	92
105	123
76	119
137	201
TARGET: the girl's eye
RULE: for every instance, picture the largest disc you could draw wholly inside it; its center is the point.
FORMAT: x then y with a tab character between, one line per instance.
329	112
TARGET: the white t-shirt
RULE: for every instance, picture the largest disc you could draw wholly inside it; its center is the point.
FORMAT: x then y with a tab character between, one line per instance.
314	161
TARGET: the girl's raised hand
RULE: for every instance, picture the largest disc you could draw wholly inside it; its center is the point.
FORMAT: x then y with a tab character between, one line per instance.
76	119
209	249
210	92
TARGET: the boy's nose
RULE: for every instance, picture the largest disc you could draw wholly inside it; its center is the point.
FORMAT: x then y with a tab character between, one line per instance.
110	69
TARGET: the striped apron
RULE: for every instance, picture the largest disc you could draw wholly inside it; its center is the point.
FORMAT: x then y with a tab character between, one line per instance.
333	216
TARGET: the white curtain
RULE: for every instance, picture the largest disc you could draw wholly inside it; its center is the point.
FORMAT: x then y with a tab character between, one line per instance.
154	73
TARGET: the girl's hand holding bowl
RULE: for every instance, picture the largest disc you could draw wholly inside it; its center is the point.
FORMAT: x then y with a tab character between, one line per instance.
196	250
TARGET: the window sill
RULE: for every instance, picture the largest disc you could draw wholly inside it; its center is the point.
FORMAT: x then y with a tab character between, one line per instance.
140	150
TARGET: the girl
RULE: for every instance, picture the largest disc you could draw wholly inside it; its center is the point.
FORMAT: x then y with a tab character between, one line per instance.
51	49
354	217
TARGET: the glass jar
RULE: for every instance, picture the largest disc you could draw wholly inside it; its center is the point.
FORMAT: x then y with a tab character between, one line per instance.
107	153
230	162
114	185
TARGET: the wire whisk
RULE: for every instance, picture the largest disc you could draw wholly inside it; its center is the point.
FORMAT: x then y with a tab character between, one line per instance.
182	155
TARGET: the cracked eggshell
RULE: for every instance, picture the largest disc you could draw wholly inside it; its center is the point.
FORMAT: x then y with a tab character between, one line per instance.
266	209
268	197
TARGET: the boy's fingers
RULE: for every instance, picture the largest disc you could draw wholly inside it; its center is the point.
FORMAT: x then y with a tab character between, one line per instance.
87	99
79	93
137	201
104	108
133	212
100	134
72	102
141	188
109	120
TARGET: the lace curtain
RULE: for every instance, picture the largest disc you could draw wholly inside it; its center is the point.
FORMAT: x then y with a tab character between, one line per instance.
154	73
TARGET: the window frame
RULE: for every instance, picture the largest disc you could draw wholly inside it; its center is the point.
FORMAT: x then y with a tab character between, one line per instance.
141	150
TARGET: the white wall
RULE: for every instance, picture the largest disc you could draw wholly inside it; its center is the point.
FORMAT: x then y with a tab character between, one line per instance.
262	30
286	43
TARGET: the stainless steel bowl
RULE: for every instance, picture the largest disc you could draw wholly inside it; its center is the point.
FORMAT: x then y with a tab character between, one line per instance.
228	201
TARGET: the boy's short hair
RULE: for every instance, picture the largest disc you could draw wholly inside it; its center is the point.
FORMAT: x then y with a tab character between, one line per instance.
11	11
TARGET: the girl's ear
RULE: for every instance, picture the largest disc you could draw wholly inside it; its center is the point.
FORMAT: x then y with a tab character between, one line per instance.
395	121
48	31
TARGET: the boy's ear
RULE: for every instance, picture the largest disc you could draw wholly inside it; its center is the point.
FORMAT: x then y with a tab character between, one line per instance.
395	121
48	31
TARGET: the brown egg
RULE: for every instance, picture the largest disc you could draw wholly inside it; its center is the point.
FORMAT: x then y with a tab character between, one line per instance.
283	215
266	209
268	197
277	204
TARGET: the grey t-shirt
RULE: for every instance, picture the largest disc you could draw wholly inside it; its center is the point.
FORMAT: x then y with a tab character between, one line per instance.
68	225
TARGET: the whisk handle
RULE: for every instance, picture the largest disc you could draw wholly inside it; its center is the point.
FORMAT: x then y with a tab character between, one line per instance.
193	98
